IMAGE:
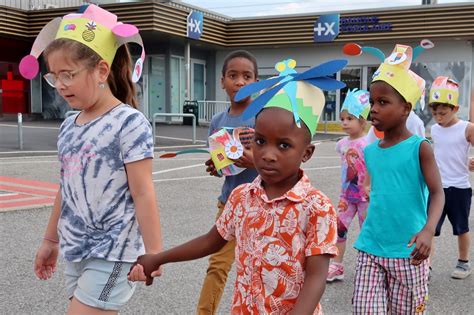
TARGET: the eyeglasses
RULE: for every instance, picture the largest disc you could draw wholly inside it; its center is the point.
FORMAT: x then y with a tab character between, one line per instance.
66	77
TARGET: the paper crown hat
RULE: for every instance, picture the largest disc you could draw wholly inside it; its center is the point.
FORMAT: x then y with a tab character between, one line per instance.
92	26
357	103
444	90
395	69
299	93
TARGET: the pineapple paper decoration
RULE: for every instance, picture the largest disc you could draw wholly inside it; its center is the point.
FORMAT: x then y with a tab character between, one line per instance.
88	35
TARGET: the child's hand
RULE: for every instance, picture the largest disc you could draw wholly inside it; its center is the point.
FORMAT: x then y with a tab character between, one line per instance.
45	260
145	268
471	164
246	160
211	168
422	249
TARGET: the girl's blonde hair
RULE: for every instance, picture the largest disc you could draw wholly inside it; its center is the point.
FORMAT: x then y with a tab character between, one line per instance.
120	77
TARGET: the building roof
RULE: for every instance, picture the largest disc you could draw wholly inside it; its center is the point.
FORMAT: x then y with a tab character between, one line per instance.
168	18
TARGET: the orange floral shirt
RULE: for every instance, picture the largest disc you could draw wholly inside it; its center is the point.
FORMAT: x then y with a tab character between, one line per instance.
273	239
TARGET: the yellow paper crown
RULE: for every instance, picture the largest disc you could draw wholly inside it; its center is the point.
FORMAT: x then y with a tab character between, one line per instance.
94	27
395	71
94	35
444	90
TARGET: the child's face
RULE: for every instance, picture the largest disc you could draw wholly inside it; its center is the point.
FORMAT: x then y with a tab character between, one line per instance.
350	124
73	80
387	109
239	72
280	147
443	114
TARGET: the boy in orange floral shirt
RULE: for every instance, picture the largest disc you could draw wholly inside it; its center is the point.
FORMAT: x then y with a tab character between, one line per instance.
285	229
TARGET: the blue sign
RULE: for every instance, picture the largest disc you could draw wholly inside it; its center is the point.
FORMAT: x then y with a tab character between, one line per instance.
194	26
326	28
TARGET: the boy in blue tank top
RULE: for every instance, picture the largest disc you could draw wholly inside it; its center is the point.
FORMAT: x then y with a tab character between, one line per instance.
395	239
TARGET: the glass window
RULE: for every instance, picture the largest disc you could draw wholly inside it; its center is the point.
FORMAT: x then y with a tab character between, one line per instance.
156	85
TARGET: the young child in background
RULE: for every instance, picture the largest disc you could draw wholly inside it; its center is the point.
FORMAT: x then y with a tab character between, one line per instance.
105	213
285	230
452	139
239	69
353	199
395	239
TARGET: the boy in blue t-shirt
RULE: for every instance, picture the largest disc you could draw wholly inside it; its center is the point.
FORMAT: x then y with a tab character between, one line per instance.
239	69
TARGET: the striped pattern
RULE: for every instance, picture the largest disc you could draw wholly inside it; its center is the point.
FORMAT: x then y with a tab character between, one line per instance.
18	194
434	22
389	286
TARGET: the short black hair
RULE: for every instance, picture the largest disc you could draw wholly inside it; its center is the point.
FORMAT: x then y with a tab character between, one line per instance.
240	54
307	137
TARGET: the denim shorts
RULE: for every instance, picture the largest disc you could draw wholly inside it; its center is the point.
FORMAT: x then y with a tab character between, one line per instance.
99	283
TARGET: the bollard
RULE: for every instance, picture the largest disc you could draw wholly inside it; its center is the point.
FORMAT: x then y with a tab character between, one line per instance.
20	131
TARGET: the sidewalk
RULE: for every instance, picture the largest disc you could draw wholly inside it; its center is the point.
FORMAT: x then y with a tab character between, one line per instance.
40	137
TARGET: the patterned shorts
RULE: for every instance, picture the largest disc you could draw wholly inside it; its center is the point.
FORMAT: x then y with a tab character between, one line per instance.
389	286
99	283
346	212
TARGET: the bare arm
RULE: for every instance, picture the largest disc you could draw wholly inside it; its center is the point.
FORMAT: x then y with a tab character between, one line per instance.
47	254
143	193
197	248
314	284
433	181
470	139
366	185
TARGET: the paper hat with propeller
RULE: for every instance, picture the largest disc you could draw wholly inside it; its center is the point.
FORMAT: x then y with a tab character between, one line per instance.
92	26
300	93
395	69
444	90
357	103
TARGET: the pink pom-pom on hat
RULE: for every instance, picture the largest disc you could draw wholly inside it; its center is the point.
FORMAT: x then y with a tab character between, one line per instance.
29	67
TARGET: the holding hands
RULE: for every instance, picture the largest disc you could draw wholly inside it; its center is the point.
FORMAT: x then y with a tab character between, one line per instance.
145	268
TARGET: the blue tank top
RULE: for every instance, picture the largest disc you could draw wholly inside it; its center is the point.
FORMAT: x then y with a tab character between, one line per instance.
398	199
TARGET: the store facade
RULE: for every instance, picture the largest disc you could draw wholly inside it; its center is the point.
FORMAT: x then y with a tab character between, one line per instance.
186	47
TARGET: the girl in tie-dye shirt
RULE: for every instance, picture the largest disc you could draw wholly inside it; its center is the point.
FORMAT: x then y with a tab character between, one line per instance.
105	213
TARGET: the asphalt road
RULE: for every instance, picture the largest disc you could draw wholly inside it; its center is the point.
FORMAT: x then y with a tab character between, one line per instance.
187	198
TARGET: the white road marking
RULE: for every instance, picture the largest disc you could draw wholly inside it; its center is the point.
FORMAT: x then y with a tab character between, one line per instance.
178	169
31	127
181	178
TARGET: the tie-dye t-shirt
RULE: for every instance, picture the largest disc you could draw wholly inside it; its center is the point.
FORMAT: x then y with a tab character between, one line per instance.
353	168
97	211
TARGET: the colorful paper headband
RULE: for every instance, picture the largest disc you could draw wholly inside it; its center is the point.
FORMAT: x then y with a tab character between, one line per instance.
357	103
444	90
94	27
395	69
224	147
300	93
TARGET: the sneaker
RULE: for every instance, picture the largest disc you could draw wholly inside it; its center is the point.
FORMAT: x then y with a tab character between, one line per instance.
336	272
462	270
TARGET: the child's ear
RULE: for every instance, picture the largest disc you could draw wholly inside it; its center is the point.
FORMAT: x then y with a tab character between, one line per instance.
408	108
308	153
103	71
455	109
222	82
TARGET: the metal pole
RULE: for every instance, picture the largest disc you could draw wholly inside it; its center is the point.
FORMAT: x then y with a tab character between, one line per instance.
20	131
187	68
154	129
194	129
